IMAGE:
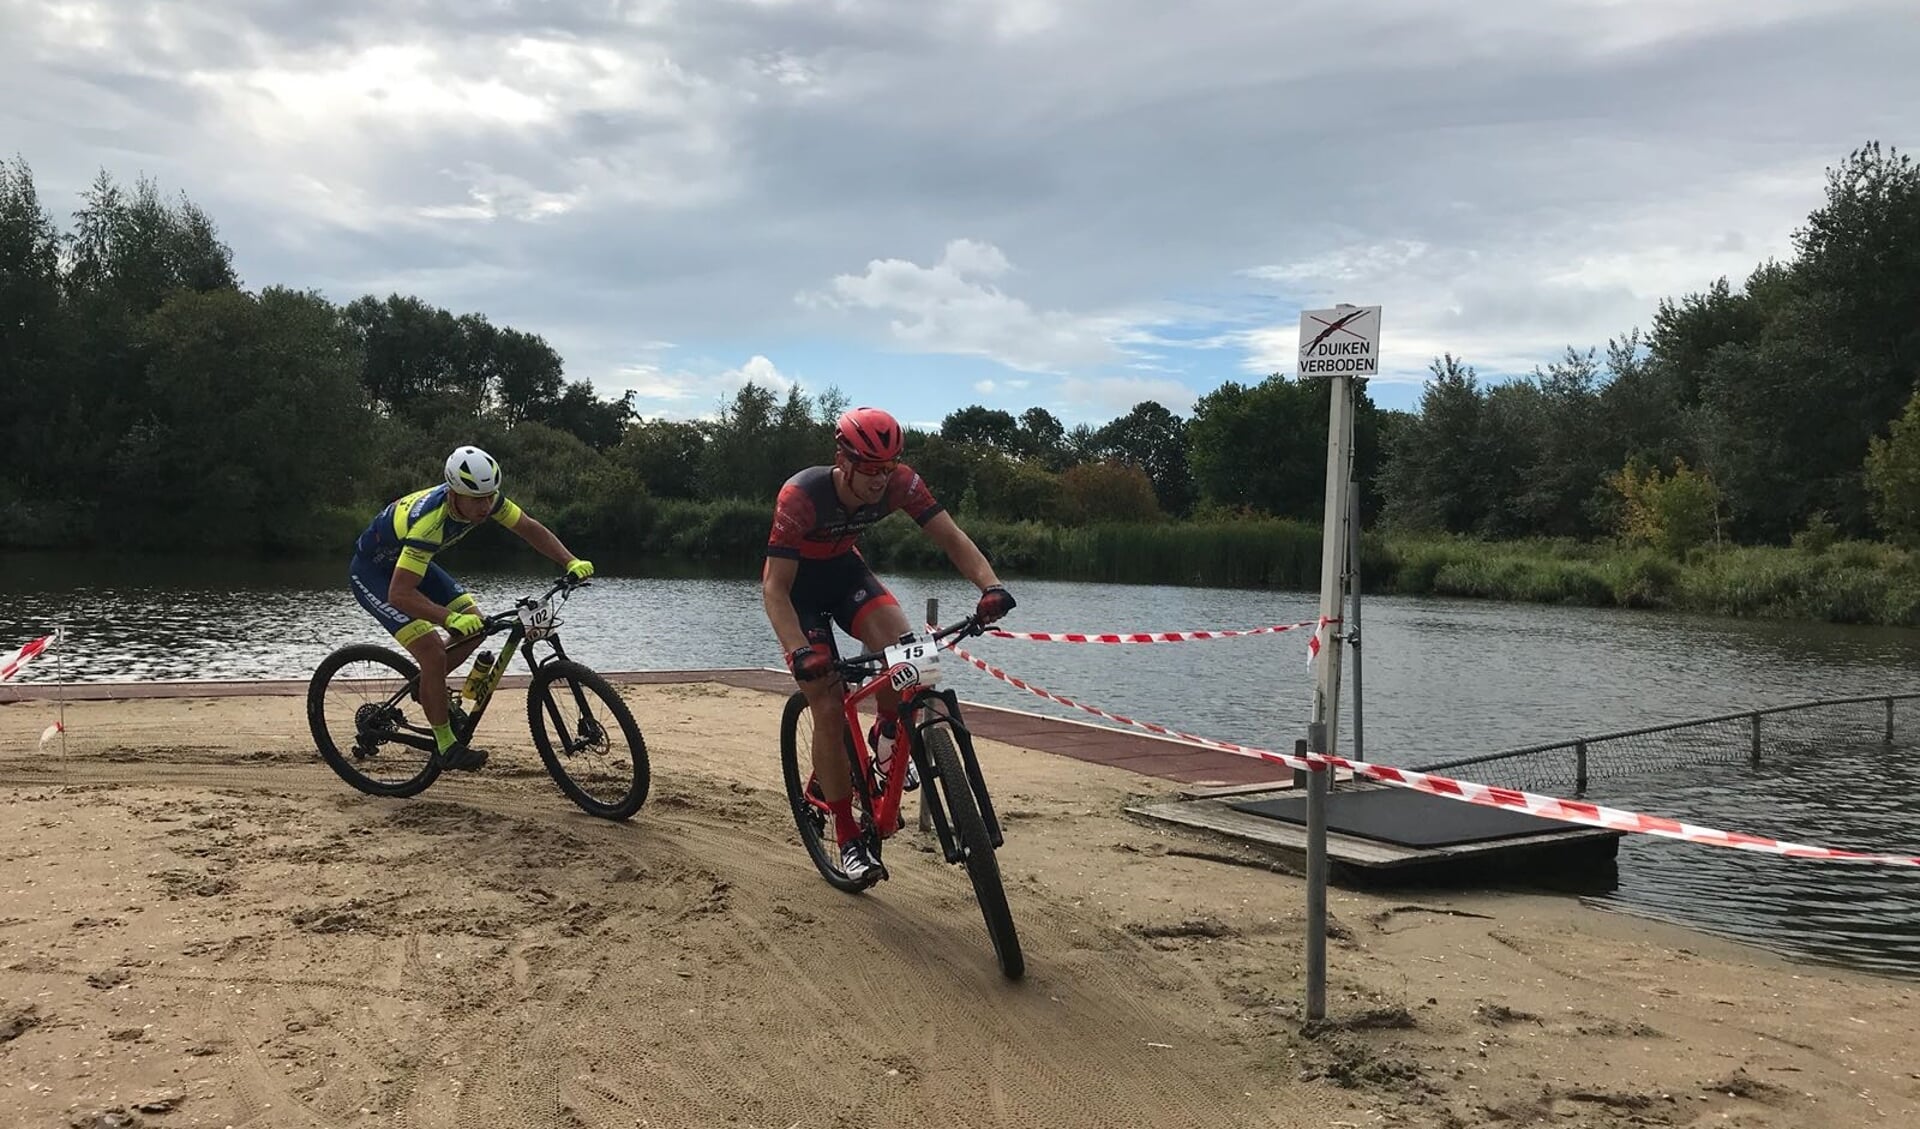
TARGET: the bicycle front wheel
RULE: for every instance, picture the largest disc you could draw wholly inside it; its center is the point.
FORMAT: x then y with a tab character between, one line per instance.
976	845
588	740
366	723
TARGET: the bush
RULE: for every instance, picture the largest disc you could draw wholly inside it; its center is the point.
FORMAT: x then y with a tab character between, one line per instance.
1819	535
1671	514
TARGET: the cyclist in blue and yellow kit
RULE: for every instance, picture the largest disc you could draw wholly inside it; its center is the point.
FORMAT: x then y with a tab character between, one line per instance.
395	578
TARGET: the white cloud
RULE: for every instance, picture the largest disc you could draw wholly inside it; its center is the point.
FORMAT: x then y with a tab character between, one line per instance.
1138	181
983	387
681	393
951	307
1101	397
1519	300
758	370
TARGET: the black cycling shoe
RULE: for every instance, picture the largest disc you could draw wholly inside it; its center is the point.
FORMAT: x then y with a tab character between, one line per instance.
461	757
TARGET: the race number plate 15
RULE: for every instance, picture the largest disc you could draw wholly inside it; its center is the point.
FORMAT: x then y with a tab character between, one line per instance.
915	662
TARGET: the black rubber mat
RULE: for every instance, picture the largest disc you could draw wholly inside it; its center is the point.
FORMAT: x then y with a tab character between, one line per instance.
1411	819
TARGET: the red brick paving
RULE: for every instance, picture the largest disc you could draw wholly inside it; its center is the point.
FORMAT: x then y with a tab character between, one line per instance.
1148	756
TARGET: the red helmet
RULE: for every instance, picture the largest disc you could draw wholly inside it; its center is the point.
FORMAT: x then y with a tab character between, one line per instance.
869	435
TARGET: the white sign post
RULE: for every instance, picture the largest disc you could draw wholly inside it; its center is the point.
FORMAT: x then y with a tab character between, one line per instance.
1338	344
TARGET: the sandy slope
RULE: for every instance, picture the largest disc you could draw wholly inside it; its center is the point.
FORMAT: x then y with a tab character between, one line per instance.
198	914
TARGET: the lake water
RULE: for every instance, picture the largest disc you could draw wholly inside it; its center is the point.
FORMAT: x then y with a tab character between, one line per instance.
1443	679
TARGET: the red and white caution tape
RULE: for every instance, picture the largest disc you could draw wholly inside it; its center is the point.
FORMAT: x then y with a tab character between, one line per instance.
1546	807
52	731
1313	641
11	665
1152	637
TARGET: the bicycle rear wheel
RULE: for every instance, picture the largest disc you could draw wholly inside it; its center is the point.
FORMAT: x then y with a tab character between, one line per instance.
588	740
366	723
956	793
810	813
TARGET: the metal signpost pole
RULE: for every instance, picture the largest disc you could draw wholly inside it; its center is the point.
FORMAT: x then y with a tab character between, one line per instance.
1340	344
933	620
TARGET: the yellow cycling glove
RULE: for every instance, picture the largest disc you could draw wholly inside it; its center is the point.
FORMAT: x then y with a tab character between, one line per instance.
464	623
579	568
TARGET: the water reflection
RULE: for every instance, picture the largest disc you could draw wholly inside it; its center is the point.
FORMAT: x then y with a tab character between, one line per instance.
1443	679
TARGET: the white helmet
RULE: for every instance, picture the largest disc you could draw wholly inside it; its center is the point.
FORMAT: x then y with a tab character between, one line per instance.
473	472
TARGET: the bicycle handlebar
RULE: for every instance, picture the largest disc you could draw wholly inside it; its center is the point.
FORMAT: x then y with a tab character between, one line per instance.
867	662
501	621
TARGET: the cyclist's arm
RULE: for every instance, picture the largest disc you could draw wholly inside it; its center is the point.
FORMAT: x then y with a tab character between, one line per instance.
960	549
541	538
776	592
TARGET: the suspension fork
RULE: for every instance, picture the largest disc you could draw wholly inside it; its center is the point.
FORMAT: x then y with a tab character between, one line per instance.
930	708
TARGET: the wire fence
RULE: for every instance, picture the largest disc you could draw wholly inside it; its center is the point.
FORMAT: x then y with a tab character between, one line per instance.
1748	737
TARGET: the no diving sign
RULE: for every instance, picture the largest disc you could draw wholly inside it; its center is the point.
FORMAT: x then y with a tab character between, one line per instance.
1343	341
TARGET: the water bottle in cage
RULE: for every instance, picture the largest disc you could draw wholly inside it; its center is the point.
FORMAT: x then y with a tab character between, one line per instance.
477	677
880	739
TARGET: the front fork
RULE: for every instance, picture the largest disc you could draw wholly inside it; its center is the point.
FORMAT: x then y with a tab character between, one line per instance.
932	708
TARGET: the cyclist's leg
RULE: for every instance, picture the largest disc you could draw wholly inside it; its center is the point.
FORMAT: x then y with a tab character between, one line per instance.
439	586
370	583
877	620
819	587
830	767
872	615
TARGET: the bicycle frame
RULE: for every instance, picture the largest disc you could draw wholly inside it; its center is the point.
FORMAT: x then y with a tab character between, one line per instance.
922	708
509	621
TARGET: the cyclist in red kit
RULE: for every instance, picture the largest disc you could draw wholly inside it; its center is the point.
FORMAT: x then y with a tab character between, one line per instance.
814	577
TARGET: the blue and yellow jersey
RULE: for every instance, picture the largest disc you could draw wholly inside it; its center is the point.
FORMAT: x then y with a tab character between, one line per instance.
412	529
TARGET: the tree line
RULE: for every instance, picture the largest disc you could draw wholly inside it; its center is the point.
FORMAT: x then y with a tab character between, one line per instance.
149	400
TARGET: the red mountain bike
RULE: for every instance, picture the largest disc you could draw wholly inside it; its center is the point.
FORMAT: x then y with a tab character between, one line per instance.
953	791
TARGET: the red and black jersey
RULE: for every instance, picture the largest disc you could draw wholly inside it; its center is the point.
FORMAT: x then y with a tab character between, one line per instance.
810	524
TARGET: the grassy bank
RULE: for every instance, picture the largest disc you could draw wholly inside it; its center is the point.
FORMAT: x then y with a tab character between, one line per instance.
1849	582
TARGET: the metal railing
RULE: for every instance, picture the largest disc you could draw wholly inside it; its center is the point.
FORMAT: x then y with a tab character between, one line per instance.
1570	766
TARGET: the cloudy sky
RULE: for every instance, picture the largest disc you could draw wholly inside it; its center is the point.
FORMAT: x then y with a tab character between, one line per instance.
1078	204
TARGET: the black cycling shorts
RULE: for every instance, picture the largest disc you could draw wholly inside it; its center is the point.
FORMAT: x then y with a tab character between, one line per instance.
838	590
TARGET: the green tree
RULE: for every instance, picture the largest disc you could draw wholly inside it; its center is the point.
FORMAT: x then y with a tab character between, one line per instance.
1672	514
524	375
413	353
1893	477
31	326
251	426
947	467
597	423
665	455
1861	250
136	250
1034	493
830	405
1440	474
987	426
1109	491
1155	440
1641	410
759	441
1263	447
1083	445
1559	447
1042	436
